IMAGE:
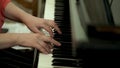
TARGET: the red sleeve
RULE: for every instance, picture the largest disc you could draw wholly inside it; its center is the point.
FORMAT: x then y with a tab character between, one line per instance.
3	4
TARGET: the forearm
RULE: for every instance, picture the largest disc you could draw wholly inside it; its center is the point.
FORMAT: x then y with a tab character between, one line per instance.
15	13
7	40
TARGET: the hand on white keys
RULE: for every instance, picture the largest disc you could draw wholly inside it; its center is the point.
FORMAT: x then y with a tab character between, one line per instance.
47	34
41	41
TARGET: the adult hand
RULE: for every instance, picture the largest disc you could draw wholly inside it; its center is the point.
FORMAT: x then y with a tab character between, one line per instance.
36	40
35	24
32	22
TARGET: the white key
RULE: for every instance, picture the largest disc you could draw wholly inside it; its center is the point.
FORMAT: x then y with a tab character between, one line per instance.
45	61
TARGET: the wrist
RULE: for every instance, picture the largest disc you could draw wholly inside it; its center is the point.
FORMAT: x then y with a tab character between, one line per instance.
8	39
25	17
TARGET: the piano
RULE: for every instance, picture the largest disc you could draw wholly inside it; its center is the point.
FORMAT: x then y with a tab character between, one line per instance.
78	50
61	14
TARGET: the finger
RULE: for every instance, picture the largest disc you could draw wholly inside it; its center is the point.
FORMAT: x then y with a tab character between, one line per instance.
36	30
55	26
50	45
41	49
55	42
51	40
45	46
47	28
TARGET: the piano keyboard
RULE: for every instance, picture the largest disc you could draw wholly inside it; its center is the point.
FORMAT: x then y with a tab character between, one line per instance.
62	56
95	54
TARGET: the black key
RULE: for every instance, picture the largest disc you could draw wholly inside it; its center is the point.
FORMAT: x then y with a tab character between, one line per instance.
59	9
59	1
59	17
62	56
59	4
67	62
62	52
59	13
65	39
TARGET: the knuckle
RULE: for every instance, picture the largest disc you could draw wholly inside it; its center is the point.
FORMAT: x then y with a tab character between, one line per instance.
44	44
54	24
